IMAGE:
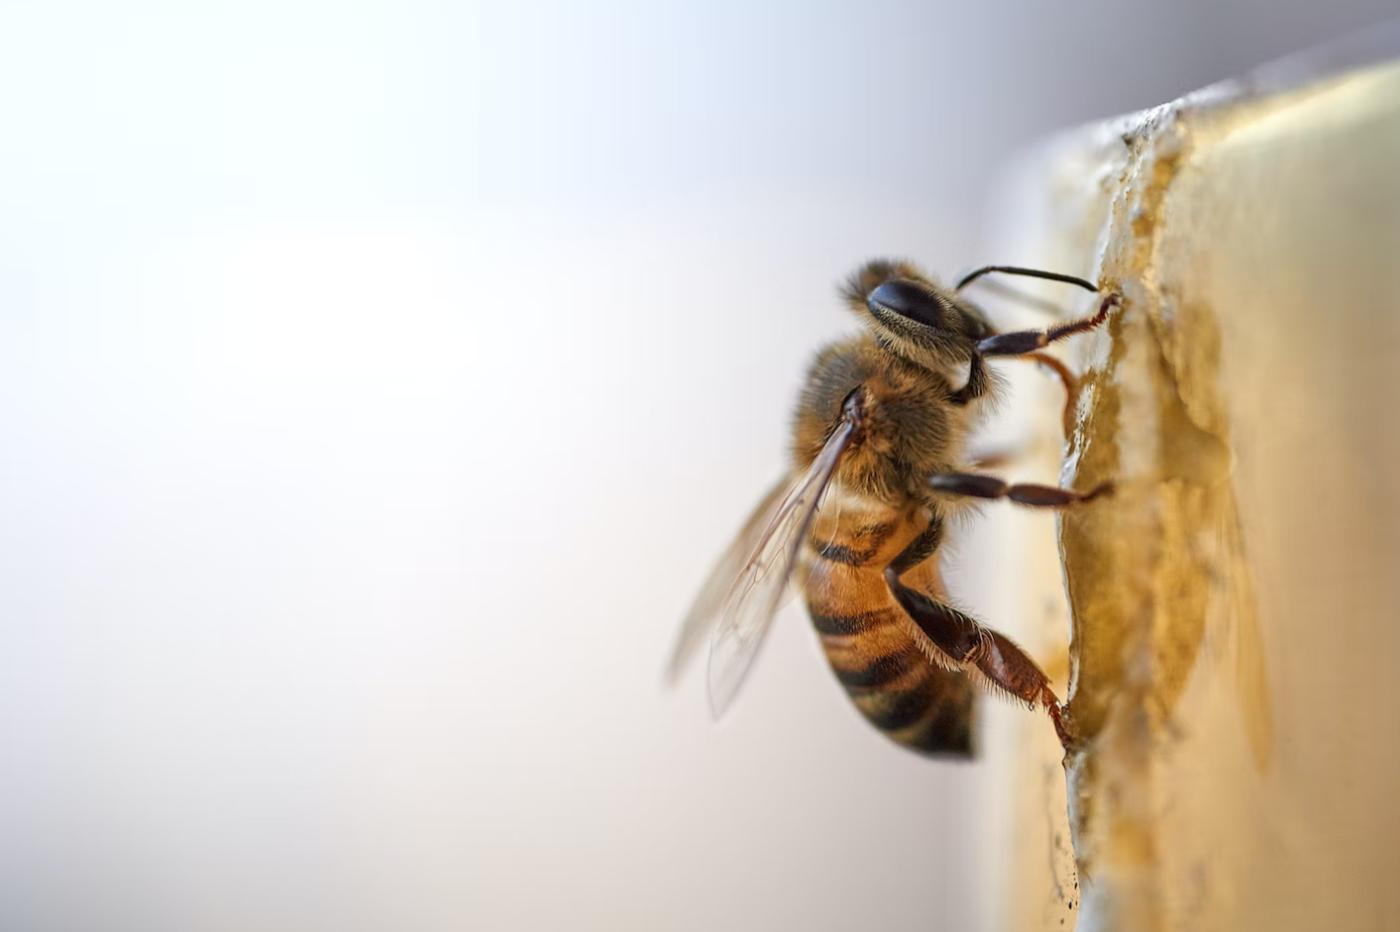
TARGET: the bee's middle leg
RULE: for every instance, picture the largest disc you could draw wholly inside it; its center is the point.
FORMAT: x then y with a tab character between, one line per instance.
978	485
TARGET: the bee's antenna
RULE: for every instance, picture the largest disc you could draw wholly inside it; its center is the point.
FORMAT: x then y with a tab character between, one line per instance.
971	277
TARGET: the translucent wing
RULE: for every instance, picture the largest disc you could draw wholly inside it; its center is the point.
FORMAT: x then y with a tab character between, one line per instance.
705	609
753	600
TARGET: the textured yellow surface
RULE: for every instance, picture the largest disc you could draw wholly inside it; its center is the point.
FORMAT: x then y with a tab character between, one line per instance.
1236	605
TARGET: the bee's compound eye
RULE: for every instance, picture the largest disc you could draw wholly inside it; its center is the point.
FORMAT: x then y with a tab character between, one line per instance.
907	300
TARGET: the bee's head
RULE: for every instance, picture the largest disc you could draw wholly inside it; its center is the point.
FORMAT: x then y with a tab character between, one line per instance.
913	317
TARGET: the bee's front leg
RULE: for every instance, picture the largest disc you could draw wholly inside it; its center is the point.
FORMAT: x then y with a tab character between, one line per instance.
1021	342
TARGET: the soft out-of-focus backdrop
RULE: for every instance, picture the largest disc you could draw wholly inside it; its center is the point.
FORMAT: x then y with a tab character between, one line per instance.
377	382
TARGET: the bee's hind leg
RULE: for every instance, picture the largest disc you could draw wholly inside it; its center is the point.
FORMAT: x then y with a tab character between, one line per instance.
967	643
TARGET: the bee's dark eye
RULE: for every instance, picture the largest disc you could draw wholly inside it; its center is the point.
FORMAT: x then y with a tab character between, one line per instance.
907	300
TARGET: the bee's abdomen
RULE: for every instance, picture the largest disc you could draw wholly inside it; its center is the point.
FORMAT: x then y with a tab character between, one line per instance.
873	653
868	640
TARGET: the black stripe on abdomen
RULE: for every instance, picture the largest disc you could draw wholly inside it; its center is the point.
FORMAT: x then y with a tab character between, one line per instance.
869	538
949	727
892	711
853	623
883	670
839	553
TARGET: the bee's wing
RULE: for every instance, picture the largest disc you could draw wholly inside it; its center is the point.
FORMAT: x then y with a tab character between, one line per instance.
708	602
754	597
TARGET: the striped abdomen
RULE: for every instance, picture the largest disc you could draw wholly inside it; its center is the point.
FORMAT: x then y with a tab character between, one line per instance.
868	640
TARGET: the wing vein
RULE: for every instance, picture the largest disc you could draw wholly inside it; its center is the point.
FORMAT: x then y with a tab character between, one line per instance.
754	597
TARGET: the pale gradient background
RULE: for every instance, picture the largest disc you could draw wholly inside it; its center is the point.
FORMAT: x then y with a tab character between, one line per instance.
376	384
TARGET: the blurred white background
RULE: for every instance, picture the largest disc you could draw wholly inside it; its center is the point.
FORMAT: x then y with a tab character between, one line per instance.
377	382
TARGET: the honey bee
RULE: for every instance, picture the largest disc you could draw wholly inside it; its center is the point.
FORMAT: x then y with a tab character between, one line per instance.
879	464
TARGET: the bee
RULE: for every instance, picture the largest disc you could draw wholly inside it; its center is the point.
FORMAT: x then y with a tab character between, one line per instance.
879	464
